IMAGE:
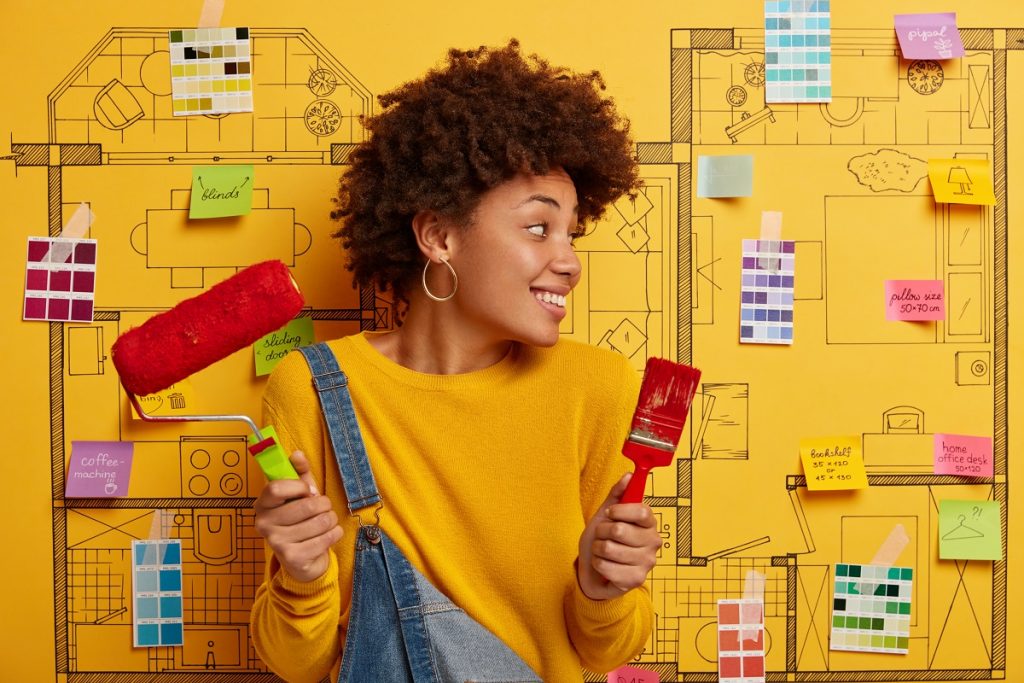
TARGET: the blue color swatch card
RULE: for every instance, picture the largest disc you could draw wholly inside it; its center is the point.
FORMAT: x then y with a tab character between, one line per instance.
156	593
797	51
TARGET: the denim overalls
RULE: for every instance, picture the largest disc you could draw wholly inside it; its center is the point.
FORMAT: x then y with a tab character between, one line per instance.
401	628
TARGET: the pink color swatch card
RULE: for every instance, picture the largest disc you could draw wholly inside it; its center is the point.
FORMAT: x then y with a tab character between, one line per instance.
60	279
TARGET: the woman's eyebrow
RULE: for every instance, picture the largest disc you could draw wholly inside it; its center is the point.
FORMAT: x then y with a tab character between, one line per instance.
545	199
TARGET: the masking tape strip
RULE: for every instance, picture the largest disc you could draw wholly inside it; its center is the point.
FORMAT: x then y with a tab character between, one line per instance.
771	225
75	228
209	17
888	552
753	589
157	530
892	547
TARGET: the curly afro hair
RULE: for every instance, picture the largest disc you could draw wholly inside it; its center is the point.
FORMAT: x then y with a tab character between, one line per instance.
441	142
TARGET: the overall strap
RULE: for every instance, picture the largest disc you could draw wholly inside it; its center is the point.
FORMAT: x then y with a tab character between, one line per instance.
336	404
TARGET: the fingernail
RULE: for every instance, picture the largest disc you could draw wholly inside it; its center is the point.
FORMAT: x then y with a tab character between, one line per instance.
313	490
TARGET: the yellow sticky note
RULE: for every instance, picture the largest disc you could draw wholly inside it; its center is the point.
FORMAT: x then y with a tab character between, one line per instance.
177	399
961	181
833	462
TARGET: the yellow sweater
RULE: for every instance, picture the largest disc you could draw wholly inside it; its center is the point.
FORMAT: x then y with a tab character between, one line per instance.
488	479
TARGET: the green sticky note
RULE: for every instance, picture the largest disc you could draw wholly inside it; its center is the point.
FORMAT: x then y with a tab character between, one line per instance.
725	176
219	191
269	350
970	530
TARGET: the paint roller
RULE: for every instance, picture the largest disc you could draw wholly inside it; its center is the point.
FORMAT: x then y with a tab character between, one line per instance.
204	329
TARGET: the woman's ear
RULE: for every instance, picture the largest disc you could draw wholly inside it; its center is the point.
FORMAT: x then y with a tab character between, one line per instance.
431	232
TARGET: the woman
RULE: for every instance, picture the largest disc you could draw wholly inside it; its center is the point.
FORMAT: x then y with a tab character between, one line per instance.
493	443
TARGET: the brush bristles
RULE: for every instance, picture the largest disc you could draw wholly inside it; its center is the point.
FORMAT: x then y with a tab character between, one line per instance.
665	397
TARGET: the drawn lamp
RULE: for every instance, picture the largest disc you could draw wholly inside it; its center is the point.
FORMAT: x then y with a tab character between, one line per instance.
958	176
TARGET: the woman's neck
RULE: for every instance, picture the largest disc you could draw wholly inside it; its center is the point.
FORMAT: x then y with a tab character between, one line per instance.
430	343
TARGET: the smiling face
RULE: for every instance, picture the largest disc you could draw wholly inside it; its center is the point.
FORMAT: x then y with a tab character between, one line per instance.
515	261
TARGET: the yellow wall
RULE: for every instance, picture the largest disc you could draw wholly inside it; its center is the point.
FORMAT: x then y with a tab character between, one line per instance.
724	505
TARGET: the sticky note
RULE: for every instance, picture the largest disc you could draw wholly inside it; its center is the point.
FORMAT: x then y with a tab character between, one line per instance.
60	279
833	463
269	350
725	176
156	593
632	674
177	399
961	181
915	300
741	645
871	608
797	51
970	530
211	71
99	469
929	36
968	456
219	191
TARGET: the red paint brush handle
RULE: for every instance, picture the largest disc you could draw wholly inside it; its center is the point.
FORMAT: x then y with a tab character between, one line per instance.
635	488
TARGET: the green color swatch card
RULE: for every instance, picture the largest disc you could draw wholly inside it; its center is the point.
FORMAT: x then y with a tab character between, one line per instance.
269	350
219	191
969	530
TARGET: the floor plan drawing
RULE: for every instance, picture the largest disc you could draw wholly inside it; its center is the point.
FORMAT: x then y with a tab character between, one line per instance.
661	277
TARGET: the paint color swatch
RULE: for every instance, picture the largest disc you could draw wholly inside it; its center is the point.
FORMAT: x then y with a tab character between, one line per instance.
871	608
766	292
156	593
60	279
211	71
741	641
798	51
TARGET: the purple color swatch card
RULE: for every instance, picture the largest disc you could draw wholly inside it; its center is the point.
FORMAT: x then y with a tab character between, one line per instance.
929	36
99	469
766	292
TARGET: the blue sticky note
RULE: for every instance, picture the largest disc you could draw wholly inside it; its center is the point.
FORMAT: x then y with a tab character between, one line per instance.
725	176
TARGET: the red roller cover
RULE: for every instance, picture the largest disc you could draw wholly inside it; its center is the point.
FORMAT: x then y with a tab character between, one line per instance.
202	330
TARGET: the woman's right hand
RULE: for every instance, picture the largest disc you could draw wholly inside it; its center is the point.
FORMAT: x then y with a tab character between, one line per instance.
298	522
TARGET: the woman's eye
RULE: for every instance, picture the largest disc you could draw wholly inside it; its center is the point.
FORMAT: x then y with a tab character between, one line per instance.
539	230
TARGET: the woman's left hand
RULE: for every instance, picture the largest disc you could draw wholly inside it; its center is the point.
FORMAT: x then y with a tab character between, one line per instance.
618	547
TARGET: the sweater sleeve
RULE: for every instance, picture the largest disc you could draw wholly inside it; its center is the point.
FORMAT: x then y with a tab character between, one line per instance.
294	624
608	633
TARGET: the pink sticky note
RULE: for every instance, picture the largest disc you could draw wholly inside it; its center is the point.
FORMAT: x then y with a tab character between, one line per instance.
631	674
929	36
967	456
99	469
914	300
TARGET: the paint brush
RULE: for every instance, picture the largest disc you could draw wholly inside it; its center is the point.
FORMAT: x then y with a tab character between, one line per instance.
665	397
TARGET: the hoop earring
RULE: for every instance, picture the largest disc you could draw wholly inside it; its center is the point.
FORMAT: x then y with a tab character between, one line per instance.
455	280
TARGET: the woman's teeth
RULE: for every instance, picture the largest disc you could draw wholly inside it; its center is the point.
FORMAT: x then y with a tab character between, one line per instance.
549	298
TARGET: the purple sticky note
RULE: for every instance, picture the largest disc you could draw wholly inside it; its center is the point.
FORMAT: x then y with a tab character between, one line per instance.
631	674
99	469
967	456
929	36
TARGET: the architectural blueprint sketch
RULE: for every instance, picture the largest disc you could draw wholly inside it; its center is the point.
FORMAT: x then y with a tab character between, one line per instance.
662	277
